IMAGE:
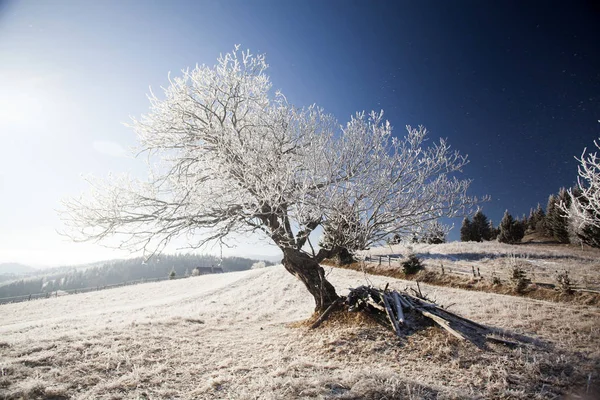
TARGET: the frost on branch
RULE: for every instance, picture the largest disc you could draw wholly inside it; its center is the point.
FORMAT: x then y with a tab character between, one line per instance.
227	155
585	202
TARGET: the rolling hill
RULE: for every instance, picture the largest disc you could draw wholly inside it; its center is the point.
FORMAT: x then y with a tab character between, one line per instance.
240	336
15	269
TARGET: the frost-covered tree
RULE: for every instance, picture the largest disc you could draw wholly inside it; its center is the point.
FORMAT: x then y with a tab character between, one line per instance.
435	233
579	230
337	231
229	155
585	208
258	265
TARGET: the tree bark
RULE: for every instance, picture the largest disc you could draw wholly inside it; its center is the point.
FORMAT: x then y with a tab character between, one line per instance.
308	270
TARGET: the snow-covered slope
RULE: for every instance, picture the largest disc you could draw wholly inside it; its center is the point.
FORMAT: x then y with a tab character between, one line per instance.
229	336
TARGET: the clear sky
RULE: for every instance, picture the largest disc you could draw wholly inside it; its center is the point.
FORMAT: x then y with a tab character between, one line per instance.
514	85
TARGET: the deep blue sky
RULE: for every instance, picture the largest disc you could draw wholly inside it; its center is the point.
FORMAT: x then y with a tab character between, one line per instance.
515	85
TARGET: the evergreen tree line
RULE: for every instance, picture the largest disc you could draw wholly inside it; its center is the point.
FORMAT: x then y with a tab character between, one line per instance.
480	228
553	223
117	272
550	223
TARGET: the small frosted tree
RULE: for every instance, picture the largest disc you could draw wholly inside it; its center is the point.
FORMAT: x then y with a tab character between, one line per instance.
343	231
580	231
258	265
228	155
435	233
585	206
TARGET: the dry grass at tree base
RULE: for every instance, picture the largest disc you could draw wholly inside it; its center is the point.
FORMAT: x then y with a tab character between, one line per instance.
241	336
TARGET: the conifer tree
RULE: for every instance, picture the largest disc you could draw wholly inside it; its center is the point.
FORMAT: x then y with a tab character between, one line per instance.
531	220
511	231
540	217
480	229
525	220
465	230
519	228
551	210
494	231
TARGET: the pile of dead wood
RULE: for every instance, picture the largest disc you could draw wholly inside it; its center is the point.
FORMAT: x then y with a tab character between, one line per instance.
398	305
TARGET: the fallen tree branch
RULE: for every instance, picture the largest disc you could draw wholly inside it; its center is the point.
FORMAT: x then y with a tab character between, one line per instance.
443	323
396	304
393	320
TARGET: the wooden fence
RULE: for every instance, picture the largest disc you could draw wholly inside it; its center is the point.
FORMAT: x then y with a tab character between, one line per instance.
397	259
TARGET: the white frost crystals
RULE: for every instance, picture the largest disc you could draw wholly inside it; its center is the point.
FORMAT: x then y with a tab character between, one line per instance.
225	155
585	205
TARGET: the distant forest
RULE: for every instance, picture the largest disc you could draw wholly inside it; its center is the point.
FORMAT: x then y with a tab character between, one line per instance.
116	272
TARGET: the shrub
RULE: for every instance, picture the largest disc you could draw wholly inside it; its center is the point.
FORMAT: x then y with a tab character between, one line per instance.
258	265
412	265
495	279
565	284
519	278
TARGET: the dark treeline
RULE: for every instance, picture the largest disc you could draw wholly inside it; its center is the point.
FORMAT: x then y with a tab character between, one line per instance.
552	224
116	272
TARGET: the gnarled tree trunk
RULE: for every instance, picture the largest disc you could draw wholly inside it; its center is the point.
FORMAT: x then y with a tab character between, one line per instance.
308	270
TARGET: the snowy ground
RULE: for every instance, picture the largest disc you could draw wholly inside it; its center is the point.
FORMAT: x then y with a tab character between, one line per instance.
232	336
540	261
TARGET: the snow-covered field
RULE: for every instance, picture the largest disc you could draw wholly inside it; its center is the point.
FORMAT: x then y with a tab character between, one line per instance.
540	261
233	336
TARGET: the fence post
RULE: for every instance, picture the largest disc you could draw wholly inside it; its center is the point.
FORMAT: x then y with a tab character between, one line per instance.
379	260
